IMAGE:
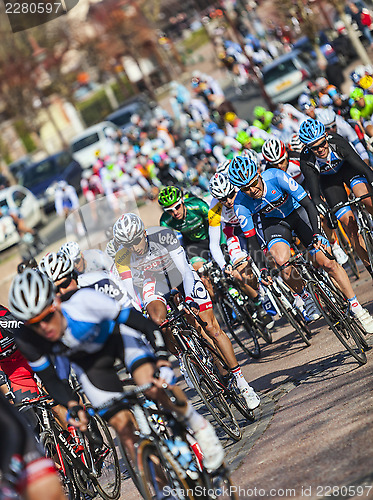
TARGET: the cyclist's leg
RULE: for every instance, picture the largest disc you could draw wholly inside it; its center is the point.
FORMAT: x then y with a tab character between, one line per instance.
335	192
360	187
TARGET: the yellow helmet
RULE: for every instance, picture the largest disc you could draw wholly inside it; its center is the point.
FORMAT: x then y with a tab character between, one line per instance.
230	116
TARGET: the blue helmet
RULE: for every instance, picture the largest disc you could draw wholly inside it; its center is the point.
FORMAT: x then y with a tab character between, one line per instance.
211	128
311	131
243	169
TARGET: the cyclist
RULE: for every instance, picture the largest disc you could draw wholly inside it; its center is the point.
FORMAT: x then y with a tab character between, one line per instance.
189	216
328	162
277	156
362	109
25	472
285	207
157	263
92	330
221	217
87	261
335	123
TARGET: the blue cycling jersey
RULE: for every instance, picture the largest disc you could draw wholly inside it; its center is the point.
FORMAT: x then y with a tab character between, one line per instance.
331	165
91	317
281	196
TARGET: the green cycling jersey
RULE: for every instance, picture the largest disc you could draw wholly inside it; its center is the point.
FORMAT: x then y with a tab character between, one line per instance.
194	226
366	112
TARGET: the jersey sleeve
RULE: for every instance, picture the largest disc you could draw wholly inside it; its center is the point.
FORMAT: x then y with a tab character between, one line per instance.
164	220
245	218
122	263
289	185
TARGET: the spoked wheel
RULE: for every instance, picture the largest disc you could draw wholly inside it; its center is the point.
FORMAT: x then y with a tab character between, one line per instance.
296	320
334	315
234	317
212	396
131	468
159	476
64	467
107	479
368	240
349	251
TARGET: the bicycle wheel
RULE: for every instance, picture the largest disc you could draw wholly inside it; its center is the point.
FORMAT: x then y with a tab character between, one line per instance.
233	316
368	240
211	395
294	317
349	251
335	317
63	465
131	468
161	475
107	479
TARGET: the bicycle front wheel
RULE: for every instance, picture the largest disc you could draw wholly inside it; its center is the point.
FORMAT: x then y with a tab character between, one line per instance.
234	317
336	320
160	476
212	396
107	478
63	465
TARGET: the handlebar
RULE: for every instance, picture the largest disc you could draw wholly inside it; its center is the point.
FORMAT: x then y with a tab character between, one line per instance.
35	401
355	201
300	255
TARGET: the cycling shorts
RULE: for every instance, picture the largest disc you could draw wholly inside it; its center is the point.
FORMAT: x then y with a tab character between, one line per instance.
96	371
159	290
20	377
332	186
281	230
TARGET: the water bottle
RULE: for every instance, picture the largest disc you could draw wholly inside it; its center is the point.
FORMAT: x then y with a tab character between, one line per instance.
181	452
235	294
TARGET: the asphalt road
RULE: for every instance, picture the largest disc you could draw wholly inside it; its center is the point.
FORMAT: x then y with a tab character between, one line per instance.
313	430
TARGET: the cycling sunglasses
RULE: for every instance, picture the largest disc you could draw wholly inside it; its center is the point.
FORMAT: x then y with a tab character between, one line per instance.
252	184
65	283
46	316
321	145
135	242
172	209
229	195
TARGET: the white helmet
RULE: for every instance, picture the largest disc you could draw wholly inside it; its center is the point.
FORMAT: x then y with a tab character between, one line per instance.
295	143
321	82
128	228
62	184
56	265
220	186
111	248
252	155
327	116
30	293
72	249
223	167
87	174
273	150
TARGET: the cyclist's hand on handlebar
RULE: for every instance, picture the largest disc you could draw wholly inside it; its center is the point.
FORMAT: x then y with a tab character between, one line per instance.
331	220
193	305
228	269
76	416
317	241
265	277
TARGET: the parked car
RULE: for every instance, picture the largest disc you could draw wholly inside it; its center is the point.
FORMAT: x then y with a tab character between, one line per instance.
18	166
136	106
22	199
287	76
41	178
85	145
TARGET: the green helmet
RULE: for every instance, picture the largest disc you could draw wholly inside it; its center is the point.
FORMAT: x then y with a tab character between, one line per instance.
259	111
169	195
242	137
357	94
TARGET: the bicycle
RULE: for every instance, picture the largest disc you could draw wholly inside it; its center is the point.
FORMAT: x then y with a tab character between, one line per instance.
82	465
282	299
363	219
207	371
331	303
165	460
231	304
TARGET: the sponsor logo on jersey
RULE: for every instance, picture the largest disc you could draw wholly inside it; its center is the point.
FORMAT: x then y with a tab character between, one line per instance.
167	239
293	185
273	191
108	289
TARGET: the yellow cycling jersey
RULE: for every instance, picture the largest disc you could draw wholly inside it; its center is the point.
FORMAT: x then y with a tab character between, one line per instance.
219	213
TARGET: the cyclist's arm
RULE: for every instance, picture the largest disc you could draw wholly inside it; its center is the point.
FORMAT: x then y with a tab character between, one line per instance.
215	249
247	225
353	159
134	319
346	131
312	177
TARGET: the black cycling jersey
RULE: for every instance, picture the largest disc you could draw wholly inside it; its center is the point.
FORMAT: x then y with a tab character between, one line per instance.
331	184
